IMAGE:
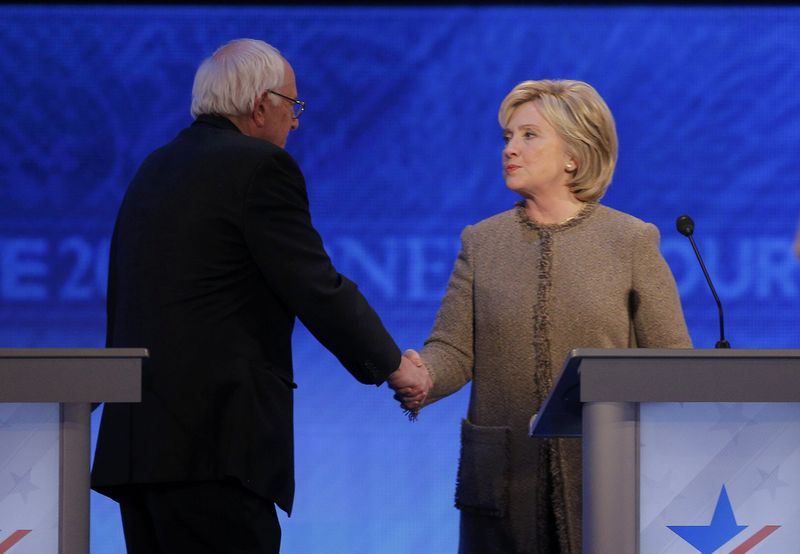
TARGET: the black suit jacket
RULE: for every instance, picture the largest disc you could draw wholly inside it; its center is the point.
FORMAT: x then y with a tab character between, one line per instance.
212	258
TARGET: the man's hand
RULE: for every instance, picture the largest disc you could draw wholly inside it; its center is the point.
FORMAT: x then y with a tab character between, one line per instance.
411	381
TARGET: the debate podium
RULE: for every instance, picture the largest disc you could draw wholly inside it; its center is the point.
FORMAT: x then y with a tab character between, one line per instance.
684	451
45	437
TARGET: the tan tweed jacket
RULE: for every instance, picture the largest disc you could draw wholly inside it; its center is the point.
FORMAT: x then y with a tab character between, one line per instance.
520	297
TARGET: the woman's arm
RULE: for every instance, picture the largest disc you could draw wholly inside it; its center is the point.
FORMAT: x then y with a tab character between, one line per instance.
448	351
656	307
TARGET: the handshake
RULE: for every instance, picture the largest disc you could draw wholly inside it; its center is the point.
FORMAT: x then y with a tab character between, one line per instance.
411	383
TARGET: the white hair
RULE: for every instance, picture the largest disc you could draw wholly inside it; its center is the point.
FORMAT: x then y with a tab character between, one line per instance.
228	82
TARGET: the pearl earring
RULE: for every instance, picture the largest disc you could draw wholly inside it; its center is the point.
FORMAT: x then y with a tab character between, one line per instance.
570	166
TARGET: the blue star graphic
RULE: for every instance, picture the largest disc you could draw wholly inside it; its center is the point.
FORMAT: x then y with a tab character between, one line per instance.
708	538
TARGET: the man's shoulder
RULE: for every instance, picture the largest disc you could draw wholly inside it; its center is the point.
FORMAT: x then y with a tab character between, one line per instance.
229	138
218	148
202	154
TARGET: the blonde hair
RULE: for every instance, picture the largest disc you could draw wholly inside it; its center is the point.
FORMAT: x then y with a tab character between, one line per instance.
582	119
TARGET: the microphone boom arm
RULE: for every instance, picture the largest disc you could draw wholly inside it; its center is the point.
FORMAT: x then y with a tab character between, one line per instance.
721	343
686	227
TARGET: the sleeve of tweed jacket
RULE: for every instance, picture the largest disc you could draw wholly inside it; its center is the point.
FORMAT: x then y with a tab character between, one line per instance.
797	242
655	305
448	351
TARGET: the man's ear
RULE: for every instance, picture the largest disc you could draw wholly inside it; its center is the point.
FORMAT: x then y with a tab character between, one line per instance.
259	115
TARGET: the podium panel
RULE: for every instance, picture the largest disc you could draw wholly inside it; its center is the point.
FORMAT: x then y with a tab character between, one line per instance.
684	451
30	446
45	416
689	451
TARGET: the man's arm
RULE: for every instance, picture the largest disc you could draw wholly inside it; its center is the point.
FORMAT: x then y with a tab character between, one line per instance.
290	254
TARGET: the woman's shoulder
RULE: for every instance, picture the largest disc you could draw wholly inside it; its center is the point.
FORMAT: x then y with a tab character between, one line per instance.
620	222
490	228
603	220
617	216
495	222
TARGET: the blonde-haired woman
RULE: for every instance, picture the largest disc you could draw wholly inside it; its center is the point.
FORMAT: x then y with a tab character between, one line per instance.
558	271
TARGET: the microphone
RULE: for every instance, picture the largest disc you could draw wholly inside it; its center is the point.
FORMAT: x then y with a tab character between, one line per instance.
685	227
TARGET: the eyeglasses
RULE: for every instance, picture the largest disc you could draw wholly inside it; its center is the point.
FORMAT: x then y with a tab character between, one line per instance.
298	106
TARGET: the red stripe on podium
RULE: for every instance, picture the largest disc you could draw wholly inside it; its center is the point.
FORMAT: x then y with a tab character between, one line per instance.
755	539
13	539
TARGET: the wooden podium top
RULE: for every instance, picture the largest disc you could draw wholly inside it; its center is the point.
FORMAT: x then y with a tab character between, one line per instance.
638	375
71	375
73	353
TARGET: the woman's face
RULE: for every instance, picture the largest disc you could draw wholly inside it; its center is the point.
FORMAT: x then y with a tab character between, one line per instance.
535	159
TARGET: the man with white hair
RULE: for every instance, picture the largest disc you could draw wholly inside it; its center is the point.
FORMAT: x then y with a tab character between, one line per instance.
213	257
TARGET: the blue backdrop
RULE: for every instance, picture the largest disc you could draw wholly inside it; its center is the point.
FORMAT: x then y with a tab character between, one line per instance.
401	149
